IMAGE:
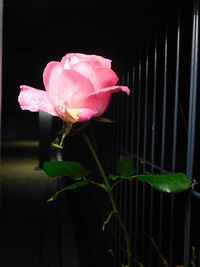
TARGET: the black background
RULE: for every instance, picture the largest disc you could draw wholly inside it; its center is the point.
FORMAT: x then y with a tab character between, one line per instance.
36	32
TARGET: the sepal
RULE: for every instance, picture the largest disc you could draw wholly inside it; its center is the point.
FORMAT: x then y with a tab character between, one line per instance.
102	119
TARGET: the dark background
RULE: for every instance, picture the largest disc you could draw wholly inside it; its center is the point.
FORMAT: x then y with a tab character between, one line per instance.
36	32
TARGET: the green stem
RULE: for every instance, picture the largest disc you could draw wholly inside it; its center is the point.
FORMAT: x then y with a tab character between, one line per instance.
110	195
163	260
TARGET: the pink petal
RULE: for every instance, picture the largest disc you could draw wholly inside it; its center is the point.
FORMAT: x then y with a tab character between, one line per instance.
86	114
35	100
47	72
117	88
65	87
100	77
99	101
95	61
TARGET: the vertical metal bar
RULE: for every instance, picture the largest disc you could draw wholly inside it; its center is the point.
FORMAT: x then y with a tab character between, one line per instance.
193	93
144	156
113	130
164	104
114	152
111	228
191	127
153	147
132	111
163	136
121	186
122	122
117	124
118	127
176	97
113	155
119	190
137	162
131	144
145	110
139	116
116	192
154	109
126	183
171	250
117	248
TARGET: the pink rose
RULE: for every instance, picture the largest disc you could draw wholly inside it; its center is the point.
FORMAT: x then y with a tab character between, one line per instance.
77	89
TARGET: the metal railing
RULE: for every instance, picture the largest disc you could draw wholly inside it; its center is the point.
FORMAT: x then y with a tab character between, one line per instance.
159	125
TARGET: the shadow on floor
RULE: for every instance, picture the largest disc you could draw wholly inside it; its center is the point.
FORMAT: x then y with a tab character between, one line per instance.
34	233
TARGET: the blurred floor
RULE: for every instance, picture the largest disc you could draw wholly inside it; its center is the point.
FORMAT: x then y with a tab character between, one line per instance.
34	233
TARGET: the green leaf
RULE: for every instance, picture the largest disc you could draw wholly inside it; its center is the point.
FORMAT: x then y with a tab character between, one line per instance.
170	183
70	187
125	166
65	168
76	185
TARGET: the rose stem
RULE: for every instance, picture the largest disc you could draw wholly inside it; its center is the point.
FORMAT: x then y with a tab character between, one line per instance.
110	195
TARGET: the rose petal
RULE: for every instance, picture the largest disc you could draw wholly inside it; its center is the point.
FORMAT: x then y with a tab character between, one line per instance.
47	72
65	87
33	99
99	101
100	77
96	61
86	114
117	88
